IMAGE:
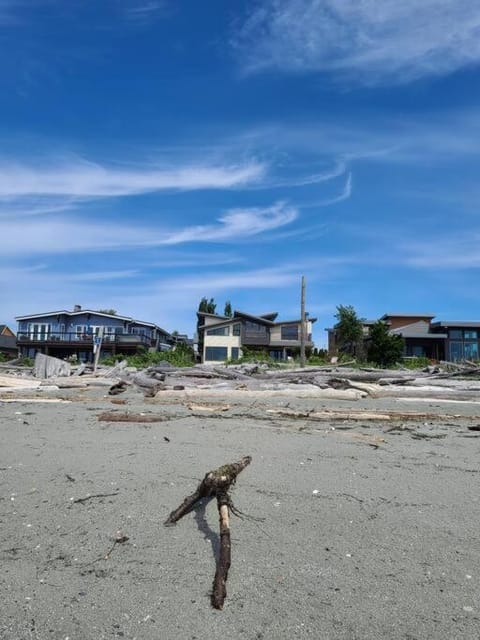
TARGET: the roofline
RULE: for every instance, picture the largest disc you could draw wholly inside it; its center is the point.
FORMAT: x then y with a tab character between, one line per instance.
455	323
250	316
408	315
74	313
428	336
91	311
210	315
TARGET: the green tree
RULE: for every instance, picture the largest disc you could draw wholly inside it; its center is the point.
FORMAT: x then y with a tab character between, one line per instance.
207	306
228	309
385	349
349	331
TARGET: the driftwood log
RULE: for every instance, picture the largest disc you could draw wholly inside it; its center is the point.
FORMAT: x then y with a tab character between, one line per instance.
216	484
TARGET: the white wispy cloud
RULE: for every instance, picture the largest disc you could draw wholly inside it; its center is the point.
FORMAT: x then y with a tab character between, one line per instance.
344	194
457	251
59	236
102	276
338	169
87	179
237	224
217	283
371	41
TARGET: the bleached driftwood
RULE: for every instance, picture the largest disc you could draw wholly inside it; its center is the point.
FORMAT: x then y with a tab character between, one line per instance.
49	367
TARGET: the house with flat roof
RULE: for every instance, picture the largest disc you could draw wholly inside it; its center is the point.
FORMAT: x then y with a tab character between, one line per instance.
224	338
440	340
64	334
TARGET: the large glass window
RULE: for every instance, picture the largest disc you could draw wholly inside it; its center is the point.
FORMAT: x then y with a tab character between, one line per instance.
470	334
290	332
216	353
219	331
237	328
456	351
234	353
471	350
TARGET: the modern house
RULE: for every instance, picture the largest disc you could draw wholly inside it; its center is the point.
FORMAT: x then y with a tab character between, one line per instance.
74	333
223	338
8	342
451	341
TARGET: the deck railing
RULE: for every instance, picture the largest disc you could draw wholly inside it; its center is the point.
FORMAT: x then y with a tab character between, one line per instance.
54	337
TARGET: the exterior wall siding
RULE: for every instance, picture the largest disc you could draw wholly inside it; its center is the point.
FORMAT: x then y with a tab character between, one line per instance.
228	342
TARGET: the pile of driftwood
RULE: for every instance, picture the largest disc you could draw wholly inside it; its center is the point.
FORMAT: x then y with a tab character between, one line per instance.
448	382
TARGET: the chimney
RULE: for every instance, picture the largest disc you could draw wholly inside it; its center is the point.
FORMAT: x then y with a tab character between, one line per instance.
77	307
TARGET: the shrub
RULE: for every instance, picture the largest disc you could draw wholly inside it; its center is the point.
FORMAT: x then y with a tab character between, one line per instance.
181	356
384	349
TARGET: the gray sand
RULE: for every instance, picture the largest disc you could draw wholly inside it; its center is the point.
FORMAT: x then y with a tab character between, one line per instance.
357	542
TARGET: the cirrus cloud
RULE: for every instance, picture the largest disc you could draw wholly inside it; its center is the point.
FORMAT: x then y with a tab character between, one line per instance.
371	41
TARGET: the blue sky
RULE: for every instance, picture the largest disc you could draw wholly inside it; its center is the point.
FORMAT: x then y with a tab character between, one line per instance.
153	152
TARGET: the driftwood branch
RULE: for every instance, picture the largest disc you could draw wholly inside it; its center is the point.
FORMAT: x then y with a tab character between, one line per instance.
216	484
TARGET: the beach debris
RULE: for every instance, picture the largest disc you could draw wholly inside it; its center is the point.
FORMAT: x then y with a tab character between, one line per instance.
119	538
114	416
49	367
422	435
216	483
92	497
373	441
117	388
208	408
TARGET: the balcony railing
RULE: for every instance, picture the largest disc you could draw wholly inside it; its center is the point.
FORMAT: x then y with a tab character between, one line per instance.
53	338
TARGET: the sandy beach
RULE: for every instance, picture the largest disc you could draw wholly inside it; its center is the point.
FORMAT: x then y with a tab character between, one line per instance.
369	527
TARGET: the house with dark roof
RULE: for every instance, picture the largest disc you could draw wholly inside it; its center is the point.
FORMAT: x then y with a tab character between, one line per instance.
223	338
77	333
441	340
8	341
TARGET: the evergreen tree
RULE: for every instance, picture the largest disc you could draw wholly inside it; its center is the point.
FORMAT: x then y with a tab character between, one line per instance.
228	309
384	348
203	306
349	331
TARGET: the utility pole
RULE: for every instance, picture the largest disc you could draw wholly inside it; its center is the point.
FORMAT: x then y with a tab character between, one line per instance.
302	324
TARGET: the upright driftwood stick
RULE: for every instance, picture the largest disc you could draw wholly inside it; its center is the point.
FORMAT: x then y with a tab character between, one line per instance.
219	591
216	483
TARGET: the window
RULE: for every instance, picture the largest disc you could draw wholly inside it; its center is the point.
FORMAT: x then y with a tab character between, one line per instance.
254	327
80	332
220	331
290	332
234	353
418	351
456	351
470	334
39	331
237	328
109	334
456	334
216	353
471	350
